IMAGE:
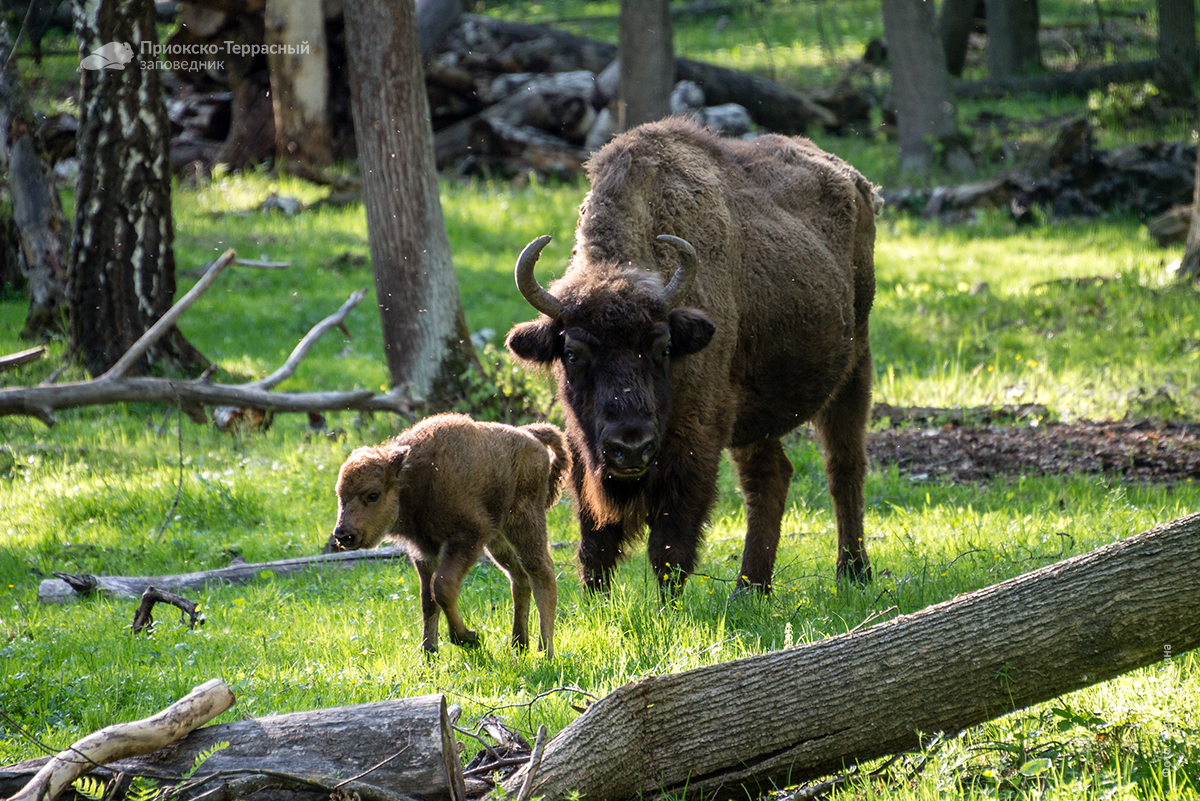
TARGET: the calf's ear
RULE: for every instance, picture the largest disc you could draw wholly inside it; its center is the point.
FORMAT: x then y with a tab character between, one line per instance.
535	341
691	330
396	459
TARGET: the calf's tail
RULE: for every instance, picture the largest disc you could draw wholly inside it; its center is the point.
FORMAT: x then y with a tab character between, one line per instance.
560	458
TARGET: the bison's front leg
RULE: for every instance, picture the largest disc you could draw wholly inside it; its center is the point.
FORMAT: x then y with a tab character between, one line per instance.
599	551
430	612
765	474
688	490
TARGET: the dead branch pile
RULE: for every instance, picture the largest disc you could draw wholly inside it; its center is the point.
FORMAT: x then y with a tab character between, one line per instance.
1071	179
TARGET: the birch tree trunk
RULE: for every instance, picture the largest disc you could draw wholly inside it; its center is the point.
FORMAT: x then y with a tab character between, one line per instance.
121	272
744	728
425	335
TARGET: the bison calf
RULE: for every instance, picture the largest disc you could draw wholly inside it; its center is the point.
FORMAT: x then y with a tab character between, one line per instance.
448	489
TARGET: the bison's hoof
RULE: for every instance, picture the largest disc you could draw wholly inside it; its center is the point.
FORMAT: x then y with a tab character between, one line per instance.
467	639
746	588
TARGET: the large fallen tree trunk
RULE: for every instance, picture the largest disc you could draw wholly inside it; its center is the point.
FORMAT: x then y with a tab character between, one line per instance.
385	751
743	728
68	587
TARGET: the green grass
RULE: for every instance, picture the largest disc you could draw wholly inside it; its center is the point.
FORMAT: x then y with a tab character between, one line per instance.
91	494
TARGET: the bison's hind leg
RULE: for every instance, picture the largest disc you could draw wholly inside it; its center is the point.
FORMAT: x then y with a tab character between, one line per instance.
765	474
842	427
506	557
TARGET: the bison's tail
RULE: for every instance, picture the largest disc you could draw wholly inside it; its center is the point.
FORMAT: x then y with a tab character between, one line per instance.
560	459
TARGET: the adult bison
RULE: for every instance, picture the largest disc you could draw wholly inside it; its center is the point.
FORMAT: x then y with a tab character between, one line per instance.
762	326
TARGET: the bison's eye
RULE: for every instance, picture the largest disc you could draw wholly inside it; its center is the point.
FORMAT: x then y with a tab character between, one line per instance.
570	356
372	497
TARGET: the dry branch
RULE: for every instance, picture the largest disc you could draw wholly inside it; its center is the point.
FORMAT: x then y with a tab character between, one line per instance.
68	587
123	740
21	358
385	751
746	727
143	616
191	395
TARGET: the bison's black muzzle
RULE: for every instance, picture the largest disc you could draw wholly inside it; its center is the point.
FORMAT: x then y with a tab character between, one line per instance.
341	540
629	450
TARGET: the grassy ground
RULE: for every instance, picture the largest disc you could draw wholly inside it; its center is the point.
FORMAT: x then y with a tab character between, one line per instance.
979	314
91	494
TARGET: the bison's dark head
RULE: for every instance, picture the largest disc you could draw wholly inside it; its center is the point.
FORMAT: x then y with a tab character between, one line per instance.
611	331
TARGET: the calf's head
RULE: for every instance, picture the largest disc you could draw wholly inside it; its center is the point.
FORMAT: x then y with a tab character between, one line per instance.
610	331
368	494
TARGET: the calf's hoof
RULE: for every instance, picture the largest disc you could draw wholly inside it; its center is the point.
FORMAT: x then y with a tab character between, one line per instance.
467	639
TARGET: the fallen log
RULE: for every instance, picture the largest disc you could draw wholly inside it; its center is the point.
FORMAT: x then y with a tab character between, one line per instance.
384	751
744	728
121	740
22	357
771	105
1079	82
66	587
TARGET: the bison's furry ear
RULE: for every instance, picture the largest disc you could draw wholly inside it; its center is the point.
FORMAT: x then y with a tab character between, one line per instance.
535	341
691	330
396	457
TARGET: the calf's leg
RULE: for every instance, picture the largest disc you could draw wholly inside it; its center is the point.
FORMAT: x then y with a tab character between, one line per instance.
765	474
507	558
457	556
430	611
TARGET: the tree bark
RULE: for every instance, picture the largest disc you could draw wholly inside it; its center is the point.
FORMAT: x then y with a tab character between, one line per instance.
1189	265
40	227
425	335
920	83
67	587
647	62
1013	47
384	750
955	23
746	727
1177	59
122	740
121	272
299	81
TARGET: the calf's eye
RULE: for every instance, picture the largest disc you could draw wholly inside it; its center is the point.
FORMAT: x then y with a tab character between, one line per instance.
372	497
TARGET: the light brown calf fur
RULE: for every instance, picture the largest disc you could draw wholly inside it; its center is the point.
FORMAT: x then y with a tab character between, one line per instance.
448	489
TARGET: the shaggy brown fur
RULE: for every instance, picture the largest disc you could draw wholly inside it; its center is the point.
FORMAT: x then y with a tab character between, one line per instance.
771	333
448	489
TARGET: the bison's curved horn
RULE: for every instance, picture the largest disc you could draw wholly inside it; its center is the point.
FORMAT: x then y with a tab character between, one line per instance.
538	297
681	282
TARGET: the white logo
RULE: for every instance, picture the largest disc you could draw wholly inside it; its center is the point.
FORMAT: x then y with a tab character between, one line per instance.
111	56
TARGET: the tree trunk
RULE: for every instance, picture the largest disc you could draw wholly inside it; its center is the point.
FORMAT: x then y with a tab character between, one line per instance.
38	225
746	727
425	335
647	62
955	23
295	38
1189	266
383	750
1013	47
121	273
1177	60
919	81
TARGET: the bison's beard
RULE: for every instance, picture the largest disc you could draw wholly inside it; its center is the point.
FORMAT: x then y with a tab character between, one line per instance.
610	500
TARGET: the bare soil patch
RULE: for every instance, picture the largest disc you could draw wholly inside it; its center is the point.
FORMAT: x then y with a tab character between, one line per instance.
1144	450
